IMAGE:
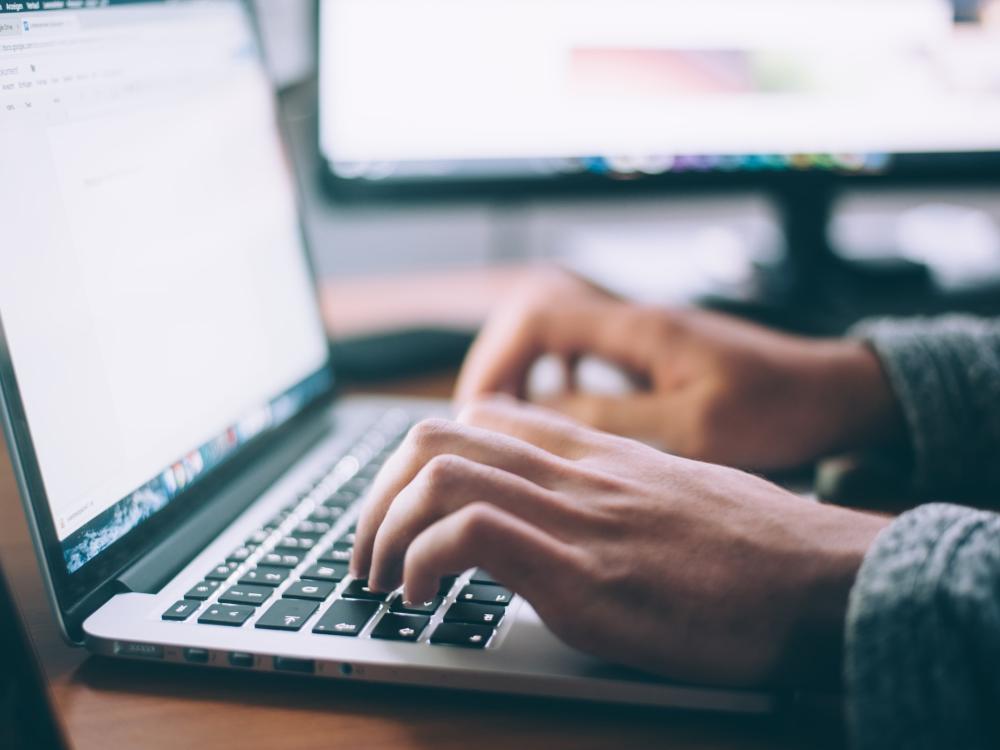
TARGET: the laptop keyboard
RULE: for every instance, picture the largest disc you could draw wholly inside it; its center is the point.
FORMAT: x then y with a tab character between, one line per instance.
291	574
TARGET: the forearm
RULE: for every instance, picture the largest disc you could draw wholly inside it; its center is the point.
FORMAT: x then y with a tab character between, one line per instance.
922	652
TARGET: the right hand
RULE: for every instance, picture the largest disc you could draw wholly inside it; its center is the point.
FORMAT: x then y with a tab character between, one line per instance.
712	387
693	571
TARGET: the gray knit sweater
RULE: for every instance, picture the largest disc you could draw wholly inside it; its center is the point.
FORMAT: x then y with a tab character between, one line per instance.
922	658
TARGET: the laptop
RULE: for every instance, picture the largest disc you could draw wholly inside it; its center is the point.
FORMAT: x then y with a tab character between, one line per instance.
190	475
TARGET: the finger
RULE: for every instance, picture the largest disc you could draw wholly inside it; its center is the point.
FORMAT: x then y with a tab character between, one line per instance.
638	416
444	486
521	556
668	422
436	437
543	427
502	354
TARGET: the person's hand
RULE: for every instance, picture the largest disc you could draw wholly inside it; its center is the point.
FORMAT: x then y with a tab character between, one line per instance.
693	571
710	387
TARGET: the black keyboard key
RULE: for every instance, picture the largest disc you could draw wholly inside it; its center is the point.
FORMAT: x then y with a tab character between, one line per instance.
346	617
475	614
278	519
447	584
287	614
343	496
181	610
479	593
338	504
339	552
233	615
370	470
332	572
222	571
356	486
358	589
281	559
460	634
253	595
481	576
239	554
258	537
416	608
264	576
201	591
323	514
350	536
312	529
316	590
296	543
395	627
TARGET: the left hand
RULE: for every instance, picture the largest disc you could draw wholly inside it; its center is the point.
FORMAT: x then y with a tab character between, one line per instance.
708	386
694	571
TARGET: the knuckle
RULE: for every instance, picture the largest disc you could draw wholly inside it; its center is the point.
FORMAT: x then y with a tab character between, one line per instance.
476	523
477	412
655	324
528	318
427	433
442	472
541	284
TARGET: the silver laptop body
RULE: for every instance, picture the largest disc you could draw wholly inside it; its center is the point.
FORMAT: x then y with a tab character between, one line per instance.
189	476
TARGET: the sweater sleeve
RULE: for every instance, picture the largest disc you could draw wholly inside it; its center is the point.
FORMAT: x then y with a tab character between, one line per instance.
922	646
945	373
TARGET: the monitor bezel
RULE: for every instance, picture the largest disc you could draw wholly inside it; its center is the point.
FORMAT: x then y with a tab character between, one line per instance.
74	596
905	170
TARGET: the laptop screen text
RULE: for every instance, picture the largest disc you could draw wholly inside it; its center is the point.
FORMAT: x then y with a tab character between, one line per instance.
154	291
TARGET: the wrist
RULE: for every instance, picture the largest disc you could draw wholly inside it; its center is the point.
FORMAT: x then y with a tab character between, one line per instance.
813	653
854	393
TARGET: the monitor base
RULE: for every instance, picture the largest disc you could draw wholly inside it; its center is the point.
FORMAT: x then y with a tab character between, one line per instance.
821	288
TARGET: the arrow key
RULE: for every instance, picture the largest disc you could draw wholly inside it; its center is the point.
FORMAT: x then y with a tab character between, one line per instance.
346	617
287	614
180	611
395	627
233	615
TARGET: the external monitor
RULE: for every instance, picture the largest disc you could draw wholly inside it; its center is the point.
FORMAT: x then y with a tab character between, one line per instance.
475	96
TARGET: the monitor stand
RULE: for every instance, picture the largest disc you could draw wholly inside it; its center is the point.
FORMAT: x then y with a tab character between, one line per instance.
815	289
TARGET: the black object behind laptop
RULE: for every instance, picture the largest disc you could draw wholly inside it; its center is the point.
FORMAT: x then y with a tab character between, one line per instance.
26	716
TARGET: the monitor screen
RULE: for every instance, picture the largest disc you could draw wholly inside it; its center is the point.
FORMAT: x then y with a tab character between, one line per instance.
512	89
155	296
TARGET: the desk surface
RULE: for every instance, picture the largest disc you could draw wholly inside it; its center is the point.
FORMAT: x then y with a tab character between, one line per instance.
109	704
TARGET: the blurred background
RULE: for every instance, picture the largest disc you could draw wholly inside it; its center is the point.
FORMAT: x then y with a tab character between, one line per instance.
802	162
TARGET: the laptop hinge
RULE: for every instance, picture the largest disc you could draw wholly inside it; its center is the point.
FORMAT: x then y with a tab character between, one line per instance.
161	563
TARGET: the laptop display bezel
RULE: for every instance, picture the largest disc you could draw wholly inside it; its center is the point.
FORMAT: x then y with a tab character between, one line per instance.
76	595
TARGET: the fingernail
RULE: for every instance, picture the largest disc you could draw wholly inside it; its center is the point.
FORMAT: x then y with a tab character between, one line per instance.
415	596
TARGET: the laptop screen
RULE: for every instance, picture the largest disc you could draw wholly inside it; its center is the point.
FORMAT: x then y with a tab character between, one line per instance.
154	290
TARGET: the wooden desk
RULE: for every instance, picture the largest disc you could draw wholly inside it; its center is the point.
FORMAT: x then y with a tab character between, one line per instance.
109	704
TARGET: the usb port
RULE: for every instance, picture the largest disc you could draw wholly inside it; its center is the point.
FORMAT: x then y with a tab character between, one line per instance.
294	665
141	650
196	655
240	659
